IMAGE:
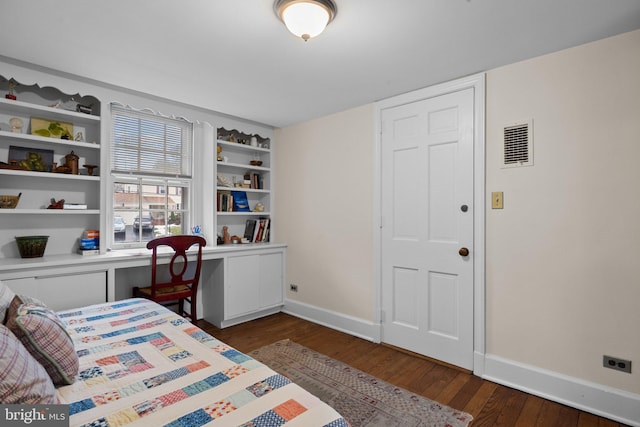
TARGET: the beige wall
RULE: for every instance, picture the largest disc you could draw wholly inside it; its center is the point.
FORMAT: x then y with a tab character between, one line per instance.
563	256
324	203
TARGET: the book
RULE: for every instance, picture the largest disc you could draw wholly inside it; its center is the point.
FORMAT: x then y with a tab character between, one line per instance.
85	252
240	202
249	229
256	181
74	206
257	230
225	201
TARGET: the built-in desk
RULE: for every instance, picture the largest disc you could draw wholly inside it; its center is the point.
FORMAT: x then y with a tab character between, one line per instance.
237	282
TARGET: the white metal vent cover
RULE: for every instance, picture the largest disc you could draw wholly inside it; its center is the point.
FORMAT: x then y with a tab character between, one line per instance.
518	144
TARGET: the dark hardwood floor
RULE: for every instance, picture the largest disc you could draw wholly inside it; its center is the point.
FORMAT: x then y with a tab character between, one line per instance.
490	404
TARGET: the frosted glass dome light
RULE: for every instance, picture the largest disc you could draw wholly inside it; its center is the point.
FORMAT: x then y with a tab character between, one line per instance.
305	18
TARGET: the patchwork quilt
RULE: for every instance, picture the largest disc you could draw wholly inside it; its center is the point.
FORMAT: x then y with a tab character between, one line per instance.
143	365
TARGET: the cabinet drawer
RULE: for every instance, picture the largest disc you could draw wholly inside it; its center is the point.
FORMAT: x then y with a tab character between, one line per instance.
61	292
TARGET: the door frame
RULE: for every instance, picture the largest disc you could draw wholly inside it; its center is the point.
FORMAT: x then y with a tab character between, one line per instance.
477	83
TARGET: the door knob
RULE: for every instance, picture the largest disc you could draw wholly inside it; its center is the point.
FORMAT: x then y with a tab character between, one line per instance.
463	252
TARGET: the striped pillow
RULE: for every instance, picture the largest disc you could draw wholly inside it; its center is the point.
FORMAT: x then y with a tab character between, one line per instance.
44	335
22	379
6	295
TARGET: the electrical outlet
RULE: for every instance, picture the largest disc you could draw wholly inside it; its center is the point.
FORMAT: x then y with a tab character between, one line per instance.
293	287
617	364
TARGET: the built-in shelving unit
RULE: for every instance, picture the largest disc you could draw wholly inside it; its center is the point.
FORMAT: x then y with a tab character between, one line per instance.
38	188
243	164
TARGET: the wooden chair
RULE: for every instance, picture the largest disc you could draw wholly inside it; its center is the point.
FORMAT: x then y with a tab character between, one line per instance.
181	285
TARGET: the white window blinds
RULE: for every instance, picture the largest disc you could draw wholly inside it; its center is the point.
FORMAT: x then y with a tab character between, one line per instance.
150	144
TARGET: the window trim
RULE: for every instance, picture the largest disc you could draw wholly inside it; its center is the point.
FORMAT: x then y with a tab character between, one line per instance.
142	179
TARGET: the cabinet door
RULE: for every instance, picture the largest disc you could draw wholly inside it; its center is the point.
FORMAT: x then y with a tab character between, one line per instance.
271	282
64	291
242	283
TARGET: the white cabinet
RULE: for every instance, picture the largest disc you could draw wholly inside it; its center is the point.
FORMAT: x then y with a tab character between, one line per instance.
243	165
64	291
252	287
38	185
253	283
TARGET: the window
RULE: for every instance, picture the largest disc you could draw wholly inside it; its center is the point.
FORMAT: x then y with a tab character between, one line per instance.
151	166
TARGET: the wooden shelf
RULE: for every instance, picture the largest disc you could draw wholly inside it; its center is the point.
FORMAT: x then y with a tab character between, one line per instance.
19	107
247	190
38	188
18	211
48	175
243	213
19	137
241	166
247	147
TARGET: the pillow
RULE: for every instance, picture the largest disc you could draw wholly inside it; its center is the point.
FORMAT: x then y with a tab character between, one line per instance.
22	379
42	333
6	295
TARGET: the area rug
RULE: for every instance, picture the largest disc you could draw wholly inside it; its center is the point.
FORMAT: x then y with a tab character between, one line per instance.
360	398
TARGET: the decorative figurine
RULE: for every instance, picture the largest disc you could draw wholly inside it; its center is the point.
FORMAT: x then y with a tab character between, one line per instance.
90	169
56	205
219	155
197	231
16	124
226	238
259	207
10	95
71	161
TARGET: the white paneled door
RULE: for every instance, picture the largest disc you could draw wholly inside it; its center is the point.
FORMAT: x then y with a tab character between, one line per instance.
427	227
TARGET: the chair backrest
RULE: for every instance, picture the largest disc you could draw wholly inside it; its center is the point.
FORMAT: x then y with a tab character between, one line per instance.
179	263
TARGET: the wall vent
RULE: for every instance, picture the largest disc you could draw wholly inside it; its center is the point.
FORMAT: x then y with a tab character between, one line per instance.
518	145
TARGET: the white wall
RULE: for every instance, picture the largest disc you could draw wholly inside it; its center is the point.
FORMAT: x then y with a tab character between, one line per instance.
563	276
563	282
324	202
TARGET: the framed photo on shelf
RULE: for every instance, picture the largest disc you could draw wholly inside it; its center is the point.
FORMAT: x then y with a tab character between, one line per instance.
33	159
51	128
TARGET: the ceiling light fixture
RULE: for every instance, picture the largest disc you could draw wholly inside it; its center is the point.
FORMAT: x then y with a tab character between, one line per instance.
305	18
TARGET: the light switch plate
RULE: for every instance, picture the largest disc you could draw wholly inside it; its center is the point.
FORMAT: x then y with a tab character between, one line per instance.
496	200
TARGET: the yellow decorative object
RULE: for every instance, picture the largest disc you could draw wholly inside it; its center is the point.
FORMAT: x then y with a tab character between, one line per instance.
51	128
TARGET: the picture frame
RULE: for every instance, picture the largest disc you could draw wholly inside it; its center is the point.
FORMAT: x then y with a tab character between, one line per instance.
51	128
45	158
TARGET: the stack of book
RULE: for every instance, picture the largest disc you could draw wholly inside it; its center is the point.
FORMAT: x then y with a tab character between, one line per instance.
89	243
257	230
225	201
232	201
257	181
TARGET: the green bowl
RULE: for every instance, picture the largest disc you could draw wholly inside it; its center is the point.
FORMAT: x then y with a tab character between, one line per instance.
31	246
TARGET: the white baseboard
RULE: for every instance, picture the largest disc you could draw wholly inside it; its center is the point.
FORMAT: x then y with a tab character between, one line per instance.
608	402
334	320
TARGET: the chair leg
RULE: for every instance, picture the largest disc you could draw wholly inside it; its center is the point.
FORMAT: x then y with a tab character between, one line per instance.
194	317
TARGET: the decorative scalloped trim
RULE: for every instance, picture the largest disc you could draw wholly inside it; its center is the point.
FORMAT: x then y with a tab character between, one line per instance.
223	135
150	111
34	87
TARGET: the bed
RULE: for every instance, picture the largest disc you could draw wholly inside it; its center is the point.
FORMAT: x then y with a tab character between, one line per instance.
140	364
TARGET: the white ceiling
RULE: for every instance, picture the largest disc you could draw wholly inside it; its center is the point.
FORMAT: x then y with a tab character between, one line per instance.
236	57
